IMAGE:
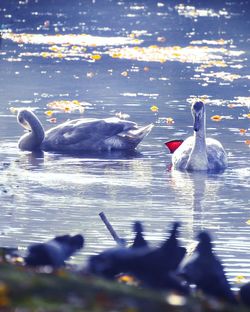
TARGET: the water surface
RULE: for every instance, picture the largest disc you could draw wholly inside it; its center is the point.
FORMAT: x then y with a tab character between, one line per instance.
166	55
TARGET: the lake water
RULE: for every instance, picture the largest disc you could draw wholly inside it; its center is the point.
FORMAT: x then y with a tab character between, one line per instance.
134	55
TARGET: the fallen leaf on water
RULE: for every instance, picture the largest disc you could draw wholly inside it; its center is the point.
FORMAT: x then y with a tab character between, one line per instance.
240	279
154	108
243	131
127	279
169	120
216	118
248	222
66	105
49	113
67	109
247	142
96	57
124	73
52	120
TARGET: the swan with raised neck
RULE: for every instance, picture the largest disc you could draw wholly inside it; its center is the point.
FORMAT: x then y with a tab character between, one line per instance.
80	135
198	153
32	140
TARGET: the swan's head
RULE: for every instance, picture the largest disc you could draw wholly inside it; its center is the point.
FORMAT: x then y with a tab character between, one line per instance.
198	109
22	118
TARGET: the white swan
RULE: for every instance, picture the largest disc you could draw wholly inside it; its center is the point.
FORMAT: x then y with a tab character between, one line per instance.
80	135
198	153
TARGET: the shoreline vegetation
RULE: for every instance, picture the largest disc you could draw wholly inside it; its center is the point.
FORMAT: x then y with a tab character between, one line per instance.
42	280
25	289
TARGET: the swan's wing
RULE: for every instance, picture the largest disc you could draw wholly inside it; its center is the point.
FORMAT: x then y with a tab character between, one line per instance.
217	157
181	155
75	131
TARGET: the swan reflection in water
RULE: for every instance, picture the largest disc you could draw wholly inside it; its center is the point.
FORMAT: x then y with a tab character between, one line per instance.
197	191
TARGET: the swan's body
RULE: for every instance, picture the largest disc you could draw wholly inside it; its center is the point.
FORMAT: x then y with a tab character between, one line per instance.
198	153
80	135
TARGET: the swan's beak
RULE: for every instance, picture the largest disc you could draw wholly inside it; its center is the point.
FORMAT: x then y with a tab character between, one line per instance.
197	123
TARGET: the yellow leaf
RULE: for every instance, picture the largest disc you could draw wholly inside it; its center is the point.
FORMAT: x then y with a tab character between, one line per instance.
216	118
49	113
240	279
125	73
154	108
248	222
169	120
96	57
116	55
44	54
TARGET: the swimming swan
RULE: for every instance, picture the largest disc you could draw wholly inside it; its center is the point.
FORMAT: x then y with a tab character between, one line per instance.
80	135
198	153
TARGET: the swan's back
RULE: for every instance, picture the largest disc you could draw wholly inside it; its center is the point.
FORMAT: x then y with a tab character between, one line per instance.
88	134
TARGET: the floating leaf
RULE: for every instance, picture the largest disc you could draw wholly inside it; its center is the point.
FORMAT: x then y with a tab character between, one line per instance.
154	108
247	142
243	131
216	118
67	109
66	105
116	55
96	57
240	279
169	120
49	113
124	73
248	222
52	120
127	279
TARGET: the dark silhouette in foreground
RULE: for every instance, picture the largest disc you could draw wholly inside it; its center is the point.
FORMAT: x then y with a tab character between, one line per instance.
155	268
54	252
139	240
206	272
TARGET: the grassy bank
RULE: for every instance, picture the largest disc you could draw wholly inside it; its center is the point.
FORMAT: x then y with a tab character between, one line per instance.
23	289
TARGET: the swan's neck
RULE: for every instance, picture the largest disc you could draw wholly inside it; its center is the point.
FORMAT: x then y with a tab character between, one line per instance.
32	140
198	156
